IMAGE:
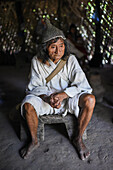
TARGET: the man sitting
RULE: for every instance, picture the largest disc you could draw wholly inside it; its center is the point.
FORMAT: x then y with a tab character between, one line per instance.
68	90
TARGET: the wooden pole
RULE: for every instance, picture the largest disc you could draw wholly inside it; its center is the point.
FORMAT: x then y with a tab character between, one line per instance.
59	13
97	58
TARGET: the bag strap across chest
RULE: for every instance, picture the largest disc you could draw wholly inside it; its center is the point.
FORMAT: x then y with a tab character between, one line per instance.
56	70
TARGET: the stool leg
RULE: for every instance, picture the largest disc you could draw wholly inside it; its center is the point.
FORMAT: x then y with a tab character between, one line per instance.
71	125
70	130
40	131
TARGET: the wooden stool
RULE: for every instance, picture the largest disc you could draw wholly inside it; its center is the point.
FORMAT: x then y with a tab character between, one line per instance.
69	120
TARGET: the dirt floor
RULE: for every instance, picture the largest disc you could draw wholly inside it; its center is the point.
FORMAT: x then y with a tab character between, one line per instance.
56	152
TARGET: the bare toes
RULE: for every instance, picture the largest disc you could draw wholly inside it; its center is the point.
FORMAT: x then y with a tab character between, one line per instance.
87	154
84	155
27	150
23	152
81	149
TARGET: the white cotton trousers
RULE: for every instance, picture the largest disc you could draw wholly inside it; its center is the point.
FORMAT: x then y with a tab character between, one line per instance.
43	108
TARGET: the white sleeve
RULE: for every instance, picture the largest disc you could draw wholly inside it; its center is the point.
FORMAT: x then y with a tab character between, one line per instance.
77	78
37	85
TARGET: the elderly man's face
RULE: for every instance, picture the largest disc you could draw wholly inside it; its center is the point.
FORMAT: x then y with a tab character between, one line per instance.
56	50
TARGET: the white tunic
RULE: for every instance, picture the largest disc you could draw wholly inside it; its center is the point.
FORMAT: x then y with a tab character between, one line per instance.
71	80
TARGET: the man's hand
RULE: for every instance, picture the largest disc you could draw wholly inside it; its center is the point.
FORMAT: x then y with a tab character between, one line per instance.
54	102
57	98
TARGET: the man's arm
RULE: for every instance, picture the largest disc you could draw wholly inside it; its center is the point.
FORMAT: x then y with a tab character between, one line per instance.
55	99
77	78
37	83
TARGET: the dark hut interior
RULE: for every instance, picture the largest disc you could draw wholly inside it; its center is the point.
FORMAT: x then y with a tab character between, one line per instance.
21	26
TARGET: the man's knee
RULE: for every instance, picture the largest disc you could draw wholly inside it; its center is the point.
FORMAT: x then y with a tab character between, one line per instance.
28	108
89	100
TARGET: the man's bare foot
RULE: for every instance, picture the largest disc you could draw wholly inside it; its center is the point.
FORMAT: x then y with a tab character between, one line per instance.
28	149
83	152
